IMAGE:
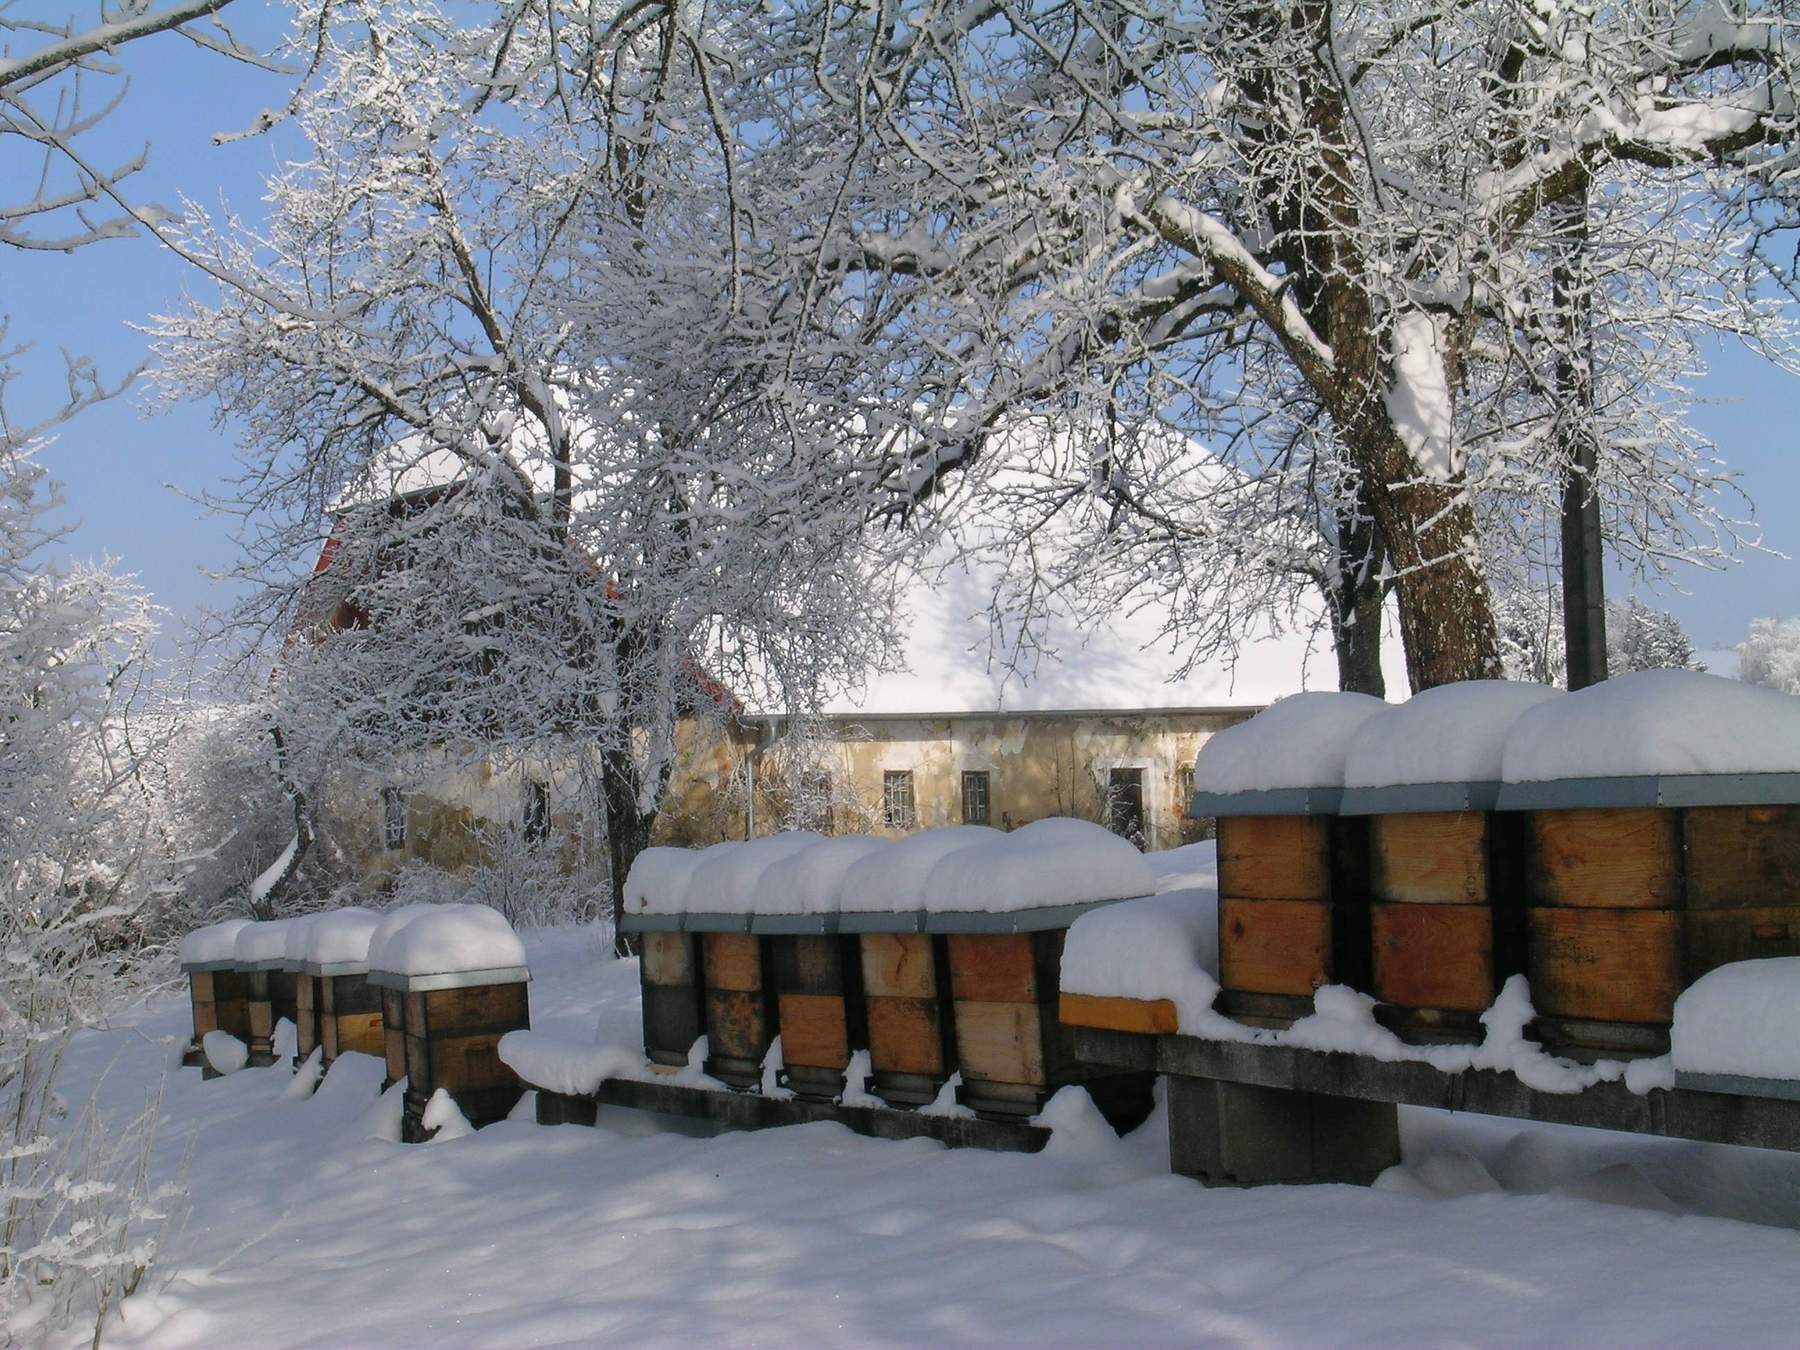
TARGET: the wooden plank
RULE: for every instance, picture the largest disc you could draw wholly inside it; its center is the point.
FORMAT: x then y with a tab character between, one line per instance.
1626	859
417	1052
737	1024
906	1036
1003	1042
1435	956
393	1022
1275	857
674	1018
1605	965
359	1032
206	1018
1274	946
900	965
808	964
668	958
200	986
733	961
479	1006
468	1063
1717	937
1150	1016
993	967
1434	857
1742	856
306	996
814	1030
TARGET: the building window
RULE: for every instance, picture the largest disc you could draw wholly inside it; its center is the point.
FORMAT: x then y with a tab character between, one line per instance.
897	799
393	818
536	820
975	797
1125	804
1184	786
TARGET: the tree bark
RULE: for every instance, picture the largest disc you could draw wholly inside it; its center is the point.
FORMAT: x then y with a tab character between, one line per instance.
1355	605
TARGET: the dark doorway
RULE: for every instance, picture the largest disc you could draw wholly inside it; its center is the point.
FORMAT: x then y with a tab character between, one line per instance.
1125	804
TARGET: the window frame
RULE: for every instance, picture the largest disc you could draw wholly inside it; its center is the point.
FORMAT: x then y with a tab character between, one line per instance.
895	814
393	819
985	778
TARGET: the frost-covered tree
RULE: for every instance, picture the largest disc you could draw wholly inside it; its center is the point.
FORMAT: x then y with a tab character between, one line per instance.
493	349
1641	638
1770	656
1411	264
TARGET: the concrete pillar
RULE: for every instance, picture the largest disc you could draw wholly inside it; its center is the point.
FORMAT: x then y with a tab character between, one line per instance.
1237	1134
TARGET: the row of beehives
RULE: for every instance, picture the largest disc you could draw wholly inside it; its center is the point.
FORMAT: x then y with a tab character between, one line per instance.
937	954
1611	892
429	989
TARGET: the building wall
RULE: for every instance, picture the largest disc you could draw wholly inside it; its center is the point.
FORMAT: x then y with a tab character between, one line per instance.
1038	764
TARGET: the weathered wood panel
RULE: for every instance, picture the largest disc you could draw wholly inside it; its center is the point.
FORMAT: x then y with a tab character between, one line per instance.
906	1036
1274	946
1717	937
1435	956
1275	857
1605	965
1623	859
668	958
306	1014
1001	1042
1147	1016
1436	857
733	961
901	965
393	1023
358	1032
472	1009
1742	856
815	1032
994	967
740	1024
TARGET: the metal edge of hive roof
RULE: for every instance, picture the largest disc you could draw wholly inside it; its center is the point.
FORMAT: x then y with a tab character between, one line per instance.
1399	799
335	969
448	979
704	922
270	963
882	921
650	923
794	925
207	967
1665	790
1037	920
1739	1085
1302	801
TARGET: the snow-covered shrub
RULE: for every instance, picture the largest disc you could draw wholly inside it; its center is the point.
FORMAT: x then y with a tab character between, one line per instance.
1641	638
1770	656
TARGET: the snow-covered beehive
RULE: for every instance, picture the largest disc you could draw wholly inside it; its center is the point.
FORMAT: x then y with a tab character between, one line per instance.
340	1010
669	959
260	956
1663	841
882	901
1293	884
817	971
1004	907
215	988
453	982
1446	870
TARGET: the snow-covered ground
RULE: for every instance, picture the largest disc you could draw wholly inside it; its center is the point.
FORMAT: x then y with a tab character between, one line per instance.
305	1227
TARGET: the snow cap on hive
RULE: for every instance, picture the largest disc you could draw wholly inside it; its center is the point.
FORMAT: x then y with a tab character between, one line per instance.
1739	1019
894	880
1657	722
262	946
293	951
659	877
341	937
214	945
725	880
1056	861
1450	738
807	880
1298	742
445	940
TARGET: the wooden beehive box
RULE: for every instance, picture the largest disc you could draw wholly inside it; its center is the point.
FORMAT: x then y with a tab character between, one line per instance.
738	997
673	992
1293	902
1011	1049
1293	874
1629	904
443	1031
908	1008
1639	880
269	986
215	989
1447	914
339	1010
819	1008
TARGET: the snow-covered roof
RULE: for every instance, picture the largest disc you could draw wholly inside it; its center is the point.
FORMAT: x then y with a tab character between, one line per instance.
1657	722
1055	861
447	939
1455	733
1301	742
340	937
895	881
258	943
213	944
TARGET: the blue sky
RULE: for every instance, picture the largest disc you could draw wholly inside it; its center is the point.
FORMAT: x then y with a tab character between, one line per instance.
115	460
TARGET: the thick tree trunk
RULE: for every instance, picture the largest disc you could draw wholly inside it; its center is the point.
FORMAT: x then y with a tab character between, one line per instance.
1355	605
627	828
1446	614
